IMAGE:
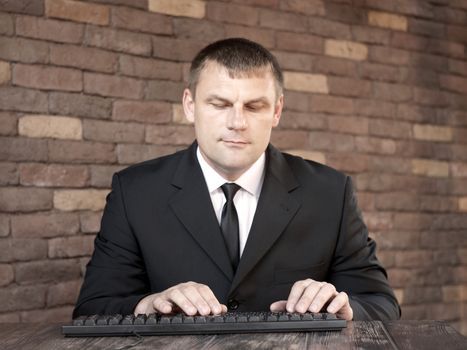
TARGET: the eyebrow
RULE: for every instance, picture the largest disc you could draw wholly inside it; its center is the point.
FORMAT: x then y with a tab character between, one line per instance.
261	99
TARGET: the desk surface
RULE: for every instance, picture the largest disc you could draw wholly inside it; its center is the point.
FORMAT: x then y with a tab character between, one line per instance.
358	335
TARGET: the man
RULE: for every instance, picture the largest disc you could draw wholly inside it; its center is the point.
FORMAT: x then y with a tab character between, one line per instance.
178	235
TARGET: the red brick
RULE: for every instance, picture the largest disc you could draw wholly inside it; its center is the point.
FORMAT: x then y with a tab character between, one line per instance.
104	131
109	85
130	154
374	108
450	15
176	49
375	71
142	4
454	83
418	295
444	311
49	29
4	225
63	293
24	6
44	225
90	221
349	87
194	28
53	175
262	36
25	199
377	221
123	17
283	21
83	58
392	92
170	135
101	175
408	41
420	9
47	271
348	125
393	165
6	275
331	141
289	139
330	104
430	97
396	239
165	90
23	50
150	68
118	40
366	201
371	35
303	121
6	24
8	124
25	100
22	249
397	201
8	174
414	312
16	298
231	13
294	61
18	149
153	112
296	101
70	247
338	66
443	47
346	13
437	204
412	221
329	29
418	76
64	103
77	11
47	316
81	152
299	42
424	60
428	28
387	259
352	163
261	3
310	7
388	55
47	78
390	128
457	66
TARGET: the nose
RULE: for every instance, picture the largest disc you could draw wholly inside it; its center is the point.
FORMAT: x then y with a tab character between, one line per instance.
236	119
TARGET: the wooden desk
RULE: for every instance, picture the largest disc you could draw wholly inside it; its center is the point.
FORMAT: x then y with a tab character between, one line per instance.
404	335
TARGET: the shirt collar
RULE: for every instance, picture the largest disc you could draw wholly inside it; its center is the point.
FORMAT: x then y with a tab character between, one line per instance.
251	180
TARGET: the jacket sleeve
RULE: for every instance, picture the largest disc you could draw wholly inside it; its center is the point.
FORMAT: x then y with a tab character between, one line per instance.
357	271
115	279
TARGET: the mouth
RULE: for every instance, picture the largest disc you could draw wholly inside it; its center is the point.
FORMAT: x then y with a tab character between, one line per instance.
234	142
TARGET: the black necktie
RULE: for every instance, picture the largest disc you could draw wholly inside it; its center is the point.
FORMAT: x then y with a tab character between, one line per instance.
229	223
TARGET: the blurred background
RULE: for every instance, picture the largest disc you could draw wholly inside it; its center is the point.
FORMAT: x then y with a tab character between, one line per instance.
374	88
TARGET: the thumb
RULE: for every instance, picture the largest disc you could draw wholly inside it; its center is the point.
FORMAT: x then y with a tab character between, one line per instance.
278	306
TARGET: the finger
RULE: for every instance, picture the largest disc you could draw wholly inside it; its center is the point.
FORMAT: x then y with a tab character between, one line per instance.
296	292
278	306
162	305
224	308
326	293
180	299
210	299
340	305
307	296
194	295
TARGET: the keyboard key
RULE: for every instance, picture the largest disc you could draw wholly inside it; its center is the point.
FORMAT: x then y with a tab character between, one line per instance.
200	319
151	319
140	319
79	321
102	320
115	319
128	319
91	320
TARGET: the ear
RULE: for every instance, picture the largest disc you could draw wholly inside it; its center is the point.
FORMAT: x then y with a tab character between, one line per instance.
188	105
278	110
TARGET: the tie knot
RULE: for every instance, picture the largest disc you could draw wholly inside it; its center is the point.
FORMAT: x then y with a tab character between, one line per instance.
229	189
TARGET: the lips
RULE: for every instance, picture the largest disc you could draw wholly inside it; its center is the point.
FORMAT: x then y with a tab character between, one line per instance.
234	142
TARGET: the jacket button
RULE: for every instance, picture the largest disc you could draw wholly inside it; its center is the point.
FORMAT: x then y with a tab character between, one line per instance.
232	304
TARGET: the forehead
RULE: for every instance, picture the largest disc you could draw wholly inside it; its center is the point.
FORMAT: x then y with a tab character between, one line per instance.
215	76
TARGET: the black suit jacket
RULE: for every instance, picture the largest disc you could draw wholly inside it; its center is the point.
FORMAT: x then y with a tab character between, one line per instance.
159	229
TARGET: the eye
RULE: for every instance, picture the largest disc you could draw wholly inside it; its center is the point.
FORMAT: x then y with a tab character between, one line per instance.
253	108
219	105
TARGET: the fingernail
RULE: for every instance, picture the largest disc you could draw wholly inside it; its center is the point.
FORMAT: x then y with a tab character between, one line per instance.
314	308
332	309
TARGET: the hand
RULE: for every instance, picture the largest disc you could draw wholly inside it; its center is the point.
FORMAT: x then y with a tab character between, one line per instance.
310	295
190	297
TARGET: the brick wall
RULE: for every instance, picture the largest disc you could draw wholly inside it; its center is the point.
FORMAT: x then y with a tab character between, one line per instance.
374	88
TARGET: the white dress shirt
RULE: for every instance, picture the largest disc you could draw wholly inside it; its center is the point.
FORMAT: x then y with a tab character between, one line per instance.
245	200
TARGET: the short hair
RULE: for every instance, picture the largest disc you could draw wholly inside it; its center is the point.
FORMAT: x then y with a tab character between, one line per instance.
241	57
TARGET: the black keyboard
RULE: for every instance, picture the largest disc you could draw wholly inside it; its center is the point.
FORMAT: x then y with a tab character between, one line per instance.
232	322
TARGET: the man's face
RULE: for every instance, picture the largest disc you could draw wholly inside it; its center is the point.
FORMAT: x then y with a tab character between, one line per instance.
233	117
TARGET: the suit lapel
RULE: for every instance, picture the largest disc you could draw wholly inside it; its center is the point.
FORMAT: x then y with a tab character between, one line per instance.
275	209
193	207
